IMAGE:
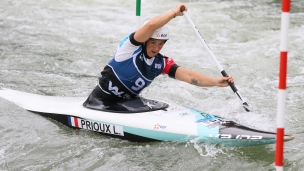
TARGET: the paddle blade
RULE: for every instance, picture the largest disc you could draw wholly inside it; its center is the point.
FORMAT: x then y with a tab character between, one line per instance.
246	107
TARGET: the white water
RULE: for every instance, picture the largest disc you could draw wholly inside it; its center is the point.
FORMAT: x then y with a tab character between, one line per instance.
59	48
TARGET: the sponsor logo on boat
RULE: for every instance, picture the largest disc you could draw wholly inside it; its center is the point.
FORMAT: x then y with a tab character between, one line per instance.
211	122
211	119
206	115
229	136
158	126
184	114
215	121
95	126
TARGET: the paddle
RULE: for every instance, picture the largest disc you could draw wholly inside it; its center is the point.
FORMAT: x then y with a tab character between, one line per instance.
223	72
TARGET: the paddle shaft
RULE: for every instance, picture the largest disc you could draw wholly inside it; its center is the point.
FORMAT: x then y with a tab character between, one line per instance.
223	72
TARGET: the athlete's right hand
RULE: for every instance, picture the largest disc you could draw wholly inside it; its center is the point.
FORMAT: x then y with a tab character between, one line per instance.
179	9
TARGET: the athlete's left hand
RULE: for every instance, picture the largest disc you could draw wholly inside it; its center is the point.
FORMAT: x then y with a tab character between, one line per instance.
222	82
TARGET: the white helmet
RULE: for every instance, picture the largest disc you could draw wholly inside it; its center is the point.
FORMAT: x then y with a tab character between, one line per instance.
161	33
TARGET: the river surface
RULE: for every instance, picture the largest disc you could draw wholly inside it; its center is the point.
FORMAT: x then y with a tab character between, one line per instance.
59	47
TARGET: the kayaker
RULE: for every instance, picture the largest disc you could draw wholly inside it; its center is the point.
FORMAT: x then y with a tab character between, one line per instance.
138	61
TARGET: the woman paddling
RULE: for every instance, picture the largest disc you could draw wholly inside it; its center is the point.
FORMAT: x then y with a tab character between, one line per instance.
138	61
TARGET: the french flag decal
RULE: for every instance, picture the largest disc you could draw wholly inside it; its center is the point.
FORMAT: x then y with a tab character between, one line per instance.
73	121
95	126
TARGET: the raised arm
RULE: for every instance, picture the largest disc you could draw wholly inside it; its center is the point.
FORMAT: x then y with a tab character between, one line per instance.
199	79
145	32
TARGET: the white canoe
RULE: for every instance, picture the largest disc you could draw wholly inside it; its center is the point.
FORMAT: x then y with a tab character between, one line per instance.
172	123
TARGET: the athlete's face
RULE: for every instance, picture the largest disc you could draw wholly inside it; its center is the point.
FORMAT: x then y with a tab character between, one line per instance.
153	46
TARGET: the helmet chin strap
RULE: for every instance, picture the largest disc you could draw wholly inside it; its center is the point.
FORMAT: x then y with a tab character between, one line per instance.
145	51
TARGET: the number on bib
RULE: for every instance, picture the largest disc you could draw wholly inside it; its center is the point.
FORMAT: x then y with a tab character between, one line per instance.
139	84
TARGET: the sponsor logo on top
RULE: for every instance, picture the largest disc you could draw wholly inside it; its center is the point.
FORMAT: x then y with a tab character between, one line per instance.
95	126
158	66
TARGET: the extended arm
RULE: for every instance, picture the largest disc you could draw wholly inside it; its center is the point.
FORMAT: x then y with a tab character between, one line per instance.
199	79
